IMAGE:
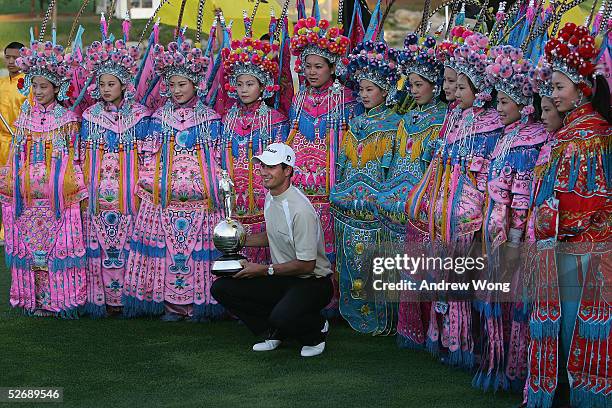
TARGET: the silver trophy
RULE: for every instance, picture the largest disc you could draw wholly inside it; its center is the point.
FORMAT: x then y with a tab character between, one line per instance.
229	235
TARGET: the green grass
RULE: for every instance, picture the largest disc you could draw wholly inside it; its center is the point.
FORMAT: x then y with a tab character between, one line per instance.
148	363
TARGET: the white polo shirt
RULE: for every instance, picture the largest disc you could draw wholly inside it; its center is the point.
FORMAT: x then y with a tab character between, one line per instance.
294	231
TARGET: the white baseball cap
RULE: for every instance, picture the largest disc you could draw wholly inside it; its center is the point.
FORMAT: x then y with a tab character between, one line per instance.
277	153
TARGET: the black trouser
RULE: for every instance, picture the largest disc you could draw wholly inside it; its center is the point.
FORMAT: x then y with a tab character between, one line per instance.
286	306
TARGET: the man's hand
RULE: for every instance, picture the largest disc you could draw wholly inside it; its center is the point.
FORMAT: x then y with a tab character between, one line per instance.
251	270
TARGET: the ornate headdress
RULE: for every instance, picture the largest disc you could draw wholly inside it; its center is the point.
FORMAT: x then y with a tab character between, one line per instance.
377	63
510	73
572	53
446	49
312	38
252	57
182	60
541	78
471	60
115	59
48	61
419	57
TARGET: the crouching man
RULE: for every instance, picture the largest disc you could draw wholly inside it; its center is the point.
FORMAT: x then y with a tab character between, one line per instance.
283	300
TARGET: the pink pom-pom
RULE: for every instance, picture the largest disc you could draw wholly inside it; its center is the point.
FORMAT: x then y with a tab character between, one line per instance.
527	110
505	72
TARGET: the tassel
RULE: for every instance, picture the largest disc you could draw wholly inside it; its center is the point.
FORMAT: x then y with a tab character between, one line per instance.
348	147
434	198
548	185
292	134
86	163
97	177
134	197
456	191
212	178
417	145
413	203
68	184
445	217
48	156
332	154
26	176
251	193
122	177
591	172
574	171
127	186
17	181
89	172
204	175
56	180
156	179
168	177
328	161
235	148
402	135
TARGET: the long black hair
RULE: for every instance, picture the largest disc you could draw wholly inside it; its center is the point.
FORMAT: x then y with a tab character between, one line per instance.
601	98
537	106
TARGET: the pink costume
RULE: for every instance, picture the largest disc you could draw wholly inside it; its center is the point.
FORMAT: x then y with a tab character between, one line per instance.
510	175
450	200
110	139
569	275
171	248
319	118
248	130
41	188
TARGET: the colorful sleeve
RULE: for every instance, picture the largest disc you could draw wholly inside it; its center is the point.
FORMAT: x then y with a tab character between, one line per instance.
582	186
520	191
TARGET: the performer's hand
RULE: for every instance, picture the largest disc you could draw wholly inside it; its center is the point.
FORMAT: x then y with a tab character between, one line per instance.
251	270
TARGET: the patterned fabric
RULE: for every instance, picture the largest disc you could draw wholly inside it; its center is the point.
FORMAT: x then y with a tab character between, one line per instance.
571	313
171	247
418	134
318	119
449	201
41	187
364	158
246	132
509	188
111	140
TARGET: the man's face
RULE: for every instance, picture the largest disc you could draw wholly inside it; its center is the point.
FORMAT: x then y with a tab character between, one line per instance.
10	55
274	176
